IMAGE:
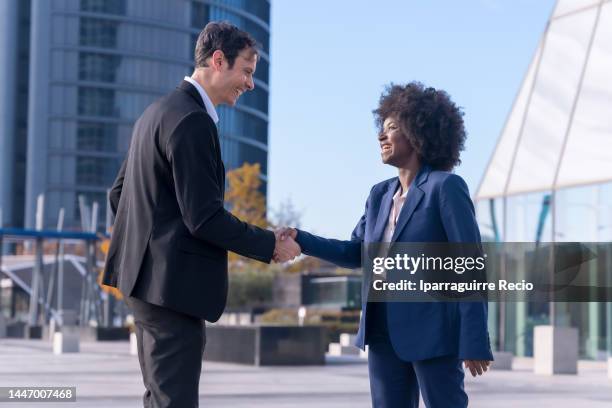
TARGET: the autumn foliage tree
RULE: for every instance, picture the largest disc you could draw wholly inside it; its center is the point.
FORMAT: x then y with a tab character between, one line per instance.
245	200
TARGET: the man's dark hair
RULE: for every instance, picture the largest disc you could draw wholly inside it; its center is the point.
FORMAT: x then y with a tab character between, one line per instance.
221	36
429	119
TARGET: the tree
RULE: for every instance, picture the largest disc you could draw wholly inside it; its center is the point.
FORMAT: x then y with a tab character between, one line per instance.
245	200
287	215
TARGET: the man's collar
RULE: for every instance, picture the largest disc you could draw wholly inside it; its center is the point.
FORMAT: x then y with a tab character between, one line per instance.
210	108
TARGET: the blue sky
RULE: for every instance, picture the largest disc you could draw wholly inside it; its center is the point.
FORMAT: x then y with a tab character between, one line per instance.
330	63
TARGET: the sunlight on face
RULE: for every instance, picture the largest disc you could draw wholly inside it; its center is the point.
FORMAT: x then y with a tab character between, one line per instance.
394	145
239	78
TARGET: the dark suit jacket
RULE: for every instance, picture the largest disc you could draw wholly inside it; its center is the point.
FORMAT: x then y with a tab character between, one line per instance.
438	208
171	233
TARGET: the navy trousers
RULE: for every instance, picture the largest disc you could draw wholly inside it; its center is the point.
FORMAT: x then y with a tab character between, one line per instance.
397	383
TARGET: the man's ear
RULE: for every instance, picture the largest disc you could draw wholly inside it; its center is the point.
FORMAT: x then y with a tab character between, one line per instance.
217	59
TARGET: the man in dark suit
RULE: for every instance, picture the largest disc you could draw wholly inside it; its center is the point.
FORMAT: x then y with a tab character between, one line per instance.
168	251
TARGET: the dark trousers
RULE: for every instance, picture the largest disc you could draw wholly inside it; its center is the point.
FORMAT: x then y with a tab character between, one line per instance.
397	383
170	348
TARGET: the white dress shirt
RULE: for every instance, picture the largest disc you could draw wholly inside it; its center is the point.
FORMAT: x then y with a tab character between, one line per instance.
398	202
210	108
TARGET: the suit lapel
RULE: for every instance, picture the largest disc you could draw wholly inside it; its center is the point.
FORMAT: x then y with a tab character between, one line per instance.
222	169
383	212
414	197
193	92
220	165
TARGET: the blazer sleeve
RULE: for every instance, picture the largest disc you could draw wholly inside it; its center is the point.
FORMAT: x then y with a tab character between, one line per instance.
346	254
115	192
459	220
191	153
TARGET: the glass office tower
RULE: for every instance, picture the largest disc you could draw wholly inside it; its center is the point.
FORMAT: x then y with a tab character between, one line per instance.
80	72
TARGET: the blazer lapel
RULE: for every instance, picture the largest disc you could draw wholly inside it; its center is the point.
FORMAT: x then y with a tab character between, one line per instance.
414	197
384	210
221	165
193	92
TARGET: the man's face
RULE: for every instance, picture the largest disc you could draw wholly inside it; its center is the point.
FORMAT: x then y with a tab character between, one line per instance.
394	145
233	82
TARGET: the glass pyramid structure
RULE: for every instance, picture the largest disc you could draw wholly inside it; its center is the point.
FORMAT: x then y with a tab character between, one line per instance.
559	131
549	178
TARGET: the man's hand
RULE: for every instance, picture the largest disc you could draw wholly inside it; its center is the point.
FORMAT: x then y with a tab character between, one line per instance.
286	232
286	248
477	367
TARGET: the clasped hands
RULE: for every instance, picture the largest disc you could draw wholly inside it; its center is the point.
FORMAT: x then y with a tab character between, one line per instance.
286	248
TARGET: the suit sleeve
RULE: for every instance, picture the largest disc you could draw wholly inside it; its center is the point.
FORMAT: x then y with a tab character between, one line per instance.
459	221
115	192
191	153
346	254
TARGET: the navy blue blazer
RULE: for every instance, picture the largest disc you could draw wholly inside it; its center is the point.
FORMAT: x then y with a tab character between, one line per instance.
438	208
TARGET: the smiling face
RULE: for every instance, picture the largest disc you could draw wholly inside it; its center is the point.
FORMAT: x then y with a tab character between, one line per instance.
232	82
396	150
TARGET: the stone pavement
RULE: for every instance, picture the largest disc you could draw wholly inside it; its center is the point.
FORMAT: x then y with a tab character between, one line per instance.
105	375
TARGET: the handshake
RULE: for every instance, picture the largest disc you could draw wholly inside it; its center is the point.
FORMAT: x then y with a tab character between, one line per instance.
286	248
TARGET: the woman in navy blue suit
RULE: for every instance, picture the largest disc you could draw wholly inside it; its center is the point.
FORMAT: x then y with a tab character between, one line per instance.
415	347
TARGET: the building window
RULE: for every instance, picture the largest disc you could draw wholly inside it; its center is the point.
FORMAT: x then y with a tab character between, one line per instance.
200	14
260	34
194	41
98	32
252	154
256	99
262	70
101	137
98	67
104	6
96	171
259	8
238	123
96	102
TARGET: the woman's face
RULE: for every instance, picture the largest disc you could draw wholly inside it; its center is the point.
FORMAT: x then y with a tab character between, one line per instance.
395	147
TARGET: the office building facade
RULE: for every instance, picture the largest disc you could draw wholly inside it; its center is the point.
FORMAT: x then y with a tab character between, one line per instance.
77	74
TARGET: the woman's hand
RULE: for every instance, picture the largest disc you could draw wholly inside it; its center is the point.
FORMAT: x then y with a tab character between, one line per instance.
286	248
285	232
477	367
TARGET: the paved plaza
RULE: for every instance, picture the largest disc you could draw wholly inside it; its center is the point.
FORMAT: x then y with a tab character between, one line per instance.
105	375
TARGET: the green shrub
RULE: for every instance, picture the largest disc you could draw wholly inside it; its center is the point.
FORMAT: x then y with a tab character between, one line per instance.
250	288
335	322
